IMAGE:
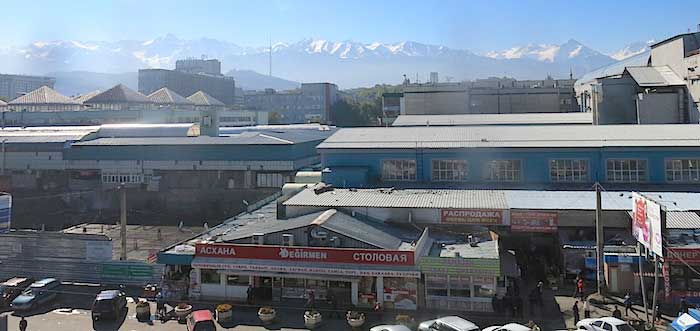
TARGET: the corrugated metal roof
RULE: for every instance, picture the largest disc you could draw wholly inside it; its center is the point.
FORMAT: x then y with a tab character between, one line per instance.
254	139
388	198
84	97
379	235
43	95
488	199
533	136
616	68
682	220
119	94
45	134
655	76
148	130
201	98
493	119
169	97
2	103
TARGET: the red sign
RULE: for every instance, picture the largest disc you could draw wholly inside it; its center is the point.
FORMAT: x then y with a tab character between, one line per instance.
472	216
678	255
306	254
533	221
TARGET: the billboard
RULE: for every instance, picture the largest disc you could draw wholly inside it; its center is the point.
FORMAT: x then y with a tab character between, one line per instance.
472	216
533	221
647	223
5	212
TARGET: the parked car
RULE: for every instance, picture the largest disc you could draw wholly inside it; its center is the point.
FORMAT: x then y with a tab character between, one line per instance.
38	293
109	304
603	324
200	320
11	288
508	327
448	323
397	327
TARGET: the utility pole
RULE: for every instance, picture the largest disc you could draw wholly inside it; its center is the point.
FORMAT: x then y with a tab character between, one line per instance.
641	280
656	288
122	230
599	239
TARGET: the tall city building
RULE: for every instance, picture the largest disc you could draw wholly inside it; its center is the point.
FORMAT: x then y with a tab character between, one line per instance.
199	66
184	83
311	103
13	86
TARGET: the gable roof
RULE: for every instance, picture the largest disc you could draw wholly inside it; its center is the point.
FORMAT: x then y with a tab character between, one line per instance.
168	96
201	98
85	96
654	76
43	95
119	94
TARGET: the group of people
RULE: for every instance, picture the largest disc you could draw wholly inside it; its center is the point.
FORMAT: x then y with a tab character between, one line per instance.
513	303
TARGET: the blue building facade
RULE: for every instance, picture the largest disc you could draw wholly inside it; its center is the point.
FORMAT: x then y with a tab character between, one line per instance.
623	162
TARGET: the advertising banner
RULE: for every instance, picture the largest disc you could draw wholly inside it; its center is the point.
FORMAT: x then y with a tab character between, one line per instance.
306	254
533	221
680	255
472	216
302	269
647	225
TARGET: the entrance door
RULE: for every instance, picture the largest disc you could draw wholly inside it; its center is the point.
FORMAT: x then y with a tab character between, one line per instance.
264	288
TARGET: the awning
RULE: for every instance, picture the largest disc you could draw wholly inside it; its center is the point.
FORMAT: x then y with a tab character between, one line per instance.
338	269
686	322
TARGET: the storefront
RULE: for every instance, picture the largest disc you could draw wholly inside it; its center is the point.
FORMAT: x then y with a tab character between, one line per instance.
360	277
680	274
622	272
459	282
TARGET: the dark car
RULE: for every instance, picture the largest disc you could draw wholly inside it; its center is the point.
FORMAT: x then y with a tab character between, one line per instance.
12	288
109	304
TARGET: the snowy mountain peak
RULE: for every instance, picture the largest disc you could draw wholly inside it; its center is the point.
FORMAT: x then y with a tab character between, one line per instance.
632	49
567	51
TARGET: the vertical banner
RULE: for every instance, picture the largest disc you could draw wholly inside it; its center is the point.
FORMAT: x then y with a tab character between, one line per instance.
640	228
654	222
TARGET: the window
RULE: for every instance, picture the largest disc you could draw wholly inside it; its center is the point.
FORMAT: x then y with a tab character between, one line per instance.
503	170
450	170
236	280
464	293
607	326
626	170
687	170
399	170
438	292
210	276
568	170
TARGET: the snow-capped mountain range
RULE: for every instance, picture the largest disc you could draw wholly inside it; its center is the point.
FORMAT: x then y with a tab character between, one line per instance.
348	63
632	49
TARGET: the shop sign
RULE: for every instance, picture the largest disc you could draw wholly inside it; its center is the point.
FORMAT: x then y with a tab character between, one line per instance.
681	255
533	221
460	266
472	216
646	223
306	254
304	270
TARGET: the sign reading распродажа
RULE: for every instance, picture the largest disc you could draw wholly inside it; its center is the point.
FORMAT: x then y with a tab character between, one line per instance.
472	216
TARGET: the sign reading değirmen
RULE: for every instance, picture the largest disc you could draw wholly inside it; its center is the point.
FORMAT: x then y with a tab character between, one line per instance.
472	216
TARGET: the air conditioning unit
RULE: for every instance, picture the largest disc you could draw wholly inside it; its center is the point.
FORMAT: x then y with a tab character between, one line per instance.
258	239
334	242
287	239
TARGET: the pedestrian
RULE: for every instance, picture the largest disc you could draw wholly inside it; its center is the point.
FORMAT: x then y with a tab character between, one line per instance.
311	301
617	313
577	317
579	288
495	303
586	309
532	298
684	306
249	295
334	304
657	314
628	304
540	293
160	305
23	324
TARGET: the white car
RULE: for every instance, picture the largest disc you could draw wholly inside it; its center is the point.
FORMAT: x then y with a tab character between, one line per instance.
603	324
390	328
508	327
448	323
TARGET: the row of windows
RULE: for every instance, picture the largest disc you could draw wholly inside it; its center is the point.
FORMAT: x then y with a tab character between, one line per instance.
560	170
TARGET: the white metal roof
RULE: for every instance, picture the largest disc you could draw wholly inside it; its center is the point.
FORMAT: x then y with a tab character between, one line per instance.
488	199
148	130
533	136
494	119
655	76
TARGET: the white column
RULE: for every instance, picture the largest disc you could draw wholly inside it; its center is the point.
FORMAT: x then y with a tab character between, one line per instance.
380	290
354	288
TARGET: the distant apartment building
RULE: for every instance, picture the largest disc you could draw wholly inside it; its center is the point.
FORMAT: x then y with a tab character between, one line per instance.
13	86
392	103
490	96
661	86
185	83
310	104
199	66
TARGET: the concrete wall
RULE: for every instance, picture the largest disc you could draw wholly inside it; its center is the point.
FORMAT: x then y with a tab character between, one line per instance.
671	54
436	103
658	108
614	101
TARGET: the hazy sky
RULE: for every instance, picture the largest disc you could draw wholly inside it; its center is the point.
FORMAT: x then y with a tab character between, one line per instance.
480	26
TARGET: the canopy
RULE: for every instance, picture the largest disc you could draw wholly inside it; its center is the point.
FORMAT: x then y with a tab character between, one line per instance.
687	322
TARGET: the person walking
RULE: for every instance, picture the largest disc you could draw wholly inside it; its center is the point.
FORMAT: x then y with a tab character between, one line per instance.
617	313
249	295
577	317
23	324
684	306
586	309
579	287
311	301
628	304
